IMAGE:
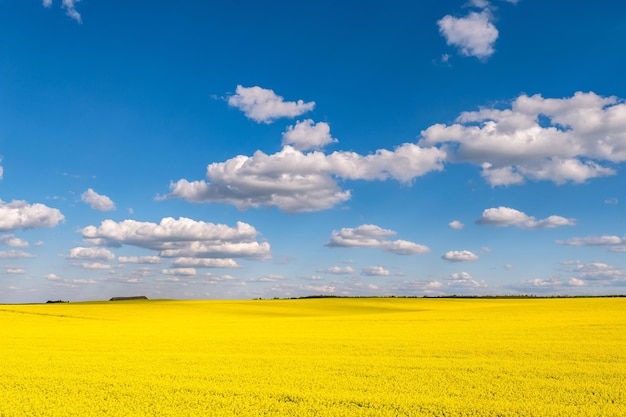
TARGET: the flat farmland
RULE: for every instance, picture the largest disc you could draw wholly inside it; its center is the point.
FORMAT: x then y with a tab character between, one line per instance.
315	357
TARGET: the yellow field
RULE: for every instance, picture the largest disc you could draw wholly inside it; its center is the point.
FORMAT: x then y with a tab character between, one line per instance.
315	357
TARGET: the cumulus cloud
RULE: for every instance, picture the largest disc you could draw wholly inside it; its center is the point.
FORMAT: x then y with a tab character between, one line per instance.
14	254
182	237
187	272
94	265
473	35
205	262
21	215
575	282
505	216
91	253
264	106
295	181
599	272
97	201
69	6
464	280
459	256
307	135
375	271
570	139
372	236
338	270
455	224
139	259
11	240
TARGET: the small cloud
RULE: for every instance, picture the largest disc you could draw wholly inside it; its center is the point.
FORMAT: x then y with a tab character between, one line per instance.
101	254
455	224
11	240
188	272
268	278
474	34
338	270
97	201
95	265
508	267
205	262
69	6
307	135
611	201
575	282
375	271
372	236
15	271
264	106
459	256
139	259
505	216
14	254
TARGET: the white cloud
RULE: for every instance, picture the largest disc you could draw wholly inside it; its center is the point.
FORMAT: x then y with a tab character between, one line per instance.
605	240
575	282
205	262
139	259
85	281
11	240
375	271
455	224
459	256
372	236
101	254
15	271
505	216
69	6
307	135
264	106
473	35
542	283
338	270
611	201
464	280
295	181
14	254
94	265
21	215
182	237
188	272
97	201
268	278
600	273
52	277
561	140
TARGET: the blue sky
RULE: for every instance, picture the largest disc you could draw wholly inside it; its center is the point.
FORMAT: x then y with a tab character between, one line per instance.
242	150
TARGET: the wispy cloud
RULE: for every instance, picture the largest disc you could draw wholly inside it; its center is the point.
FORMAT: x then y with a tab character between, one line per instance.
69	6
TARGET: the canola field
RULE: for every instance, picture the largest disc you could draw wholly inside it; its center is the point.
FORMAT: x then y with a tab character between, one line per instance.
315	357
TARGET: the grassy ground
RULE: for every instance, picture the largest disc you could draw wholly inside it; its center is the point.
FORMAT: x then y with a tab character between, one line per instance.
361	357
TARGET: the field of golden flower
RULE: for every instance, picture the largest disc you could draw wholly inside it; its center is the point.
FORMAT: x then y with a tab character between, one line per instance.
315	357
